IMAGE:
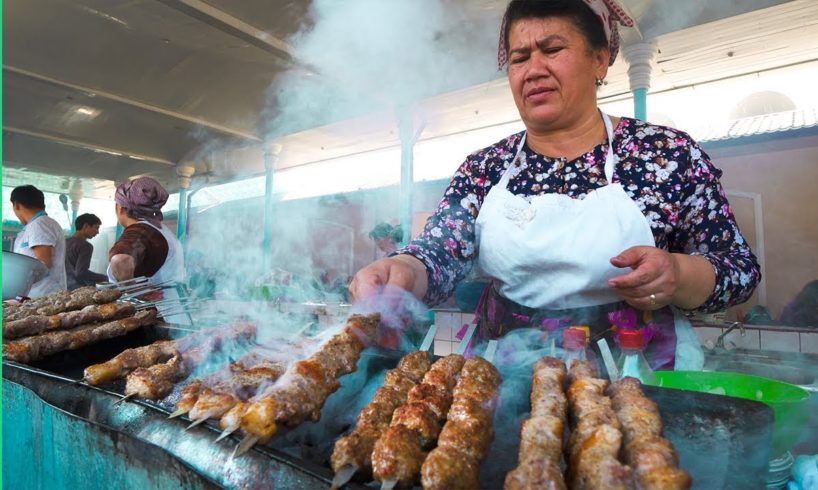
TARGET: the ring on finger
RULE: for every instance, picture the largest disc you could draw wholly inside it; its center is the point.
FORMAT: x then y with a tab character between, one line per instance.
652	299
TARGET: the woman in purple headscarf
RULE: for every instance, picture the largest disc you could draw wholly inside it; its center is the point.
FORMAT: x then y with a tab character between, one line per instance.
582	218
147	247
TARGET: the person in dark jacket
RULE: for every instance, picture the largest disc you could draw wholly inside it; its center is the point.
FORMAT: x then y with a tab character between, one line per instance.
78	252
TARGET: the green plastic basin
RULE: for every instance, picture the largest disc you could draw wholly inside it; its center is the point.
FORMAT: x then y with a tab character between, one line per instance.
790	403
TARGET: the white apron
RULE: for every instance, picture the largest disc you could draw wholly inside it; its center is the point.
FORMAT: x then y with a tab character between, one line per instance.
173	269
552	251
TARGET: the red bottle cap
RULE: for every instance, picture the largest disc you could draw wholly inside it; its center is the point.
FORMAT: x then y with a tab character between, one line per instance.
573	338
631	339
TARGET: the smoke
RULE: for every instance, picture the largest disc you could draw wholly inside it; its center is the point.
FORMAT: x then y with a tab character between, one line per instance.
364	56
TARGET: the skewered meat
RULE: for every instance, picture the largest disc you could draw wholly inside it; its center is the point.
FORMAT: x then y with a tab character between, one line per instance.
595	440
30	349
423	415
355	450
35	324
420	418
130	359
415	364
212	403
218	400
541	435
231	420
60	302
156	381
301	392
468	432
241	379
195	348
189	395
654	462
435	398
447	467
399	454
535	474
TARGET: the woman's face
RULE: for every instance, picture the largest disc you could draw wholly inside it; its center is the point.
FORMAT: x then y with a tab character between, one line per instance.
552	72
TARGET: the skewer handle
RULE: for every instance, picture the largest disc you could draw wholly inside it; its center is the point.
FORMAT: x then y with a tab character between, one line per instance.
491	350
244	446
464	343
429	338
608	359
343	476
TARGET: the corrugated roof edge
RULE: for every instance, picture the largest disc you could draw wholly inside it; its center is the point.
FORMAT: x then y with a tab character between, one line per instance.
799	122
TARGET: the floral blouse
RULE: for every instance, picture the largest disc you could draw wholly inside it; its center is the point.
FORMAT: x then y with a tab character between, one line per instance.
662	169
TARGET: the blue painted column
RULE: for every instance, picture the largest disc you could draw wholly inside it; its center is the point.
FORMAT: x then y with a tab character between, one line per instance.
184	172
181	221
640	57
640	103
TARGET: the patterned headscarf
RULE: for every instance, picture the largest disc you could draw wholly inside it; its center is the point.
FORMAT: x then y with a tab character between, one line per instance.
143	198
610	13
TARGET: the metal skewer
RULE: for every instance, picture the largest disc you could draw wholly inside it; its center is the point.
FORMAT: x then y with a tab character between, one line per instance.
225	433
343	476
124	399
244	446
389	484
195	423
177	413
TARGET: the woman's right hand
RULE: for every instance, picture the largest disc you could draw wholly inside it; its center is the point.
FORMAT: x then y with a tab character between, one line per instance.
402	271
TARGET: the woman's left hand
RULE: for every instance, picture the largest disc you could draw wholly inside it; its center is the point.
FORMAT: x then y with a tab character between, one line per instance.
652	283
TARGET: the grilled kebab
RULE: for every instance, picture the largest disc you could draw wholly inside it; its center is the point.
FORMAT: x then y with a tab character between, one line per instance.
30	349
652	458
466	437
302	390
541	434
398	453
355	450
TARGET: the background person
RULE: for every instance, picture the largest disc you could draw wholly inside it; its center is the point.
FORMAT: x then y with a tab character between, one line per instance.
146	247
386	237
41	237
78	252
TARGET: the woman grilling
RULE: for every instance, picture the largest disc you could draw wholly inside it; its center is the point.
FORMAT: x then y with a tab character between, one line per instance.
582	217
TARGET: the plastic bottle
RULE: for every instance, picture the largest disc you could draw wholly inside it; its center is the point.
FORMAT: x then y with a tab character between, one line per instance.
632	360
573	342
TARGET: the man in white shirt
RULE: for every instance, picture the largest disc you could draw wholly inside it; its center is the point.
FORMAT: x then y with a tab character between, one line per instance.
41	238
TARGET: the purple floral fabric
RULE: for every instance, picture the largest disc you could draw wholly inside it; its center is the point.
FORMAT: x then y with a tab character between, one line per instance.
663	170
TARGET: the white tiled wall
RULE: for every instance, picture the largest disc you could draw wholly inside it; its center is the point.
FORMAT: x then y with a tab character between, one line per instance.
780	341
750	340
448	324
809	343
708	334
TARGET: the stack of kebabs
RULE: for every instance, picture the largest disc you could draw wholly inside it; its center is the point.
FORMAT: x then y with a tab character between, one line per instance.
595	443
353	453
300	392
67	321
437	431
59	302
151	371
